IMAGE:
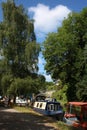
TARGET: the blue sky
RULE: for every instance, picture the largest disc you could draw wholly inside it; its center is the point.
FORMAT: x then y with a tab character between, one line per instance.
48	16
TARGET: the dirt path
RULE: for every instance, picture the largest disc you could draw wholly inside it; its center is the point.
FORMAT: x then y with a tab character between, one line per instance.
11	119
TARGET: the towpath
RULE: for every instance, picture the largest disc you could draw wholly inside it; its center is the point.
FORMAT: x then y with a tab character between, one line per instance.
11	119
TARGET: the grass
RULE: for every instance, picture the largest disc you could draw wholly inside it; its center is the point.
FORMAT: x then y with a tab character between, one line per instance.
63	126
24	109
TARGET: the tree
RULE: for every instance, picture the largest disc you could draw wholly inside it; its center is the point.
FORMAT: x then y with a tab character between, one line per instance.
82	85
18	46
17	39
25	86
6	81
63	52
60	95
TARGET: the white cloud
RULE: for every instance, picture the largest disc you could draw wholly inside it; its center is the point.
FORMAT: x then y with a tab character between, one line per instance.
47	19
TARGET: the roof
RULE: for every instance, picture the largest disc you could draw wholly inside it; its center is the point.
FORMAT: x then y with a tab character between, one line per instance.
78	103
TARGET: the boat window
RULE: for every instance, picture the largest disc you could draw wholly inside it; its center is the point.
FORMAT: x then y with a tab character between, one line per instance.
56	107
75	110
41	105
37	104
48	107
52	106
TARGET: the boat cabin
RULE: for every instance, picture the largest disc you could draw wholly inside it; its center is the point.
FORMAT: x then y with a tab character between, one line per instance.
76	114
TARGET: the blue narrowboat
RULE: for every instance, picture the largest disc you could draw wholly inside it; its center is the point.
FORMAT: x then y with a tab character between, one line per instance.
49	108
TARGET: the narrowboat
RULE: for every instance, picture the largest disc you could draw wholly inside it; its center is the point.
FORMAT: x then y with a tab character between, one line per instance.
76	115
49	108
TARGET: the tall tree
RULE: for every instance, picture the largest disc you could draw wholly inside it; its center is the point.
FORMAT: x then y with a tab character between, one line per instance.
17	41
63	52
18	48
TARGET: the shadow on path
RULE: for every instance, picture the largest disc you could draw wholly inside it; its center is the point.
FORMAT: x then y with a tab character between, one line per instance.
24	121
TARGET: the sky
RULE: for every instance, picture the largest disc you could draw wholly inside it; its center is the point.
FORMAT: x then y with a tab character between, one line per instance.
48	16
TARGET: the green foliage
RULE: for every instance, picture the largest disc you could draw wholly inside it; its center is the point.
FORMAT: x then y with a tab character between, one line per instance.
60	94
19	51
63	126
19	86
64	52
25	86
82	85
6	81
82	90
17	40
31	55
49	86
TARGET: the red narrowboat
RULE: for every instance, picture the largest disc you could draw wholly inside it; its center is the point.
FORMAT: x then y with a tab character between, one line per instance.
76	114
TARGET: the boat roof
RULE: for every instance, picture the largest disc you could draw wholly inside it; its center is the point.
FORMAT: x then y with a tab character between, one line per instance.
78	103
49	102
